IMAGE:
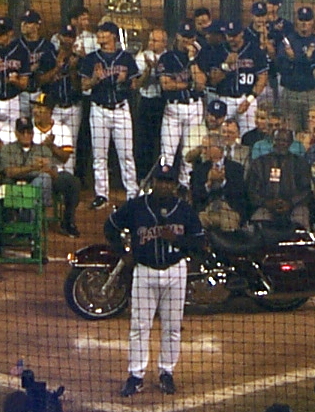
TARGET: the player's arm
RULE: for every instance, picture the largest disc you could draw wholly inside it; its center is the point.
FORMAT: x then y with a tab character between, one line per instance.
258	87
198	76
170	84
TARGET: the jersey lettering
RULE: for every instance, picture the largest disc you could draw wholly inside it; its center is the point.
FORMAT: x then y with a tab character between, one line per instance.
10	65
246	78
147	234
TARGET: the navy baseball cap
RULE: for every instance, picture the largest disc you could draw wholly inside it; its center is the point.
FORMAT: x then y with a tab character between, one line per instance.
187	29
217	108
164	172
279	407
44	100
31	16
110	27
275	2
68	31
6	25
217	26
23	123
233	28
259	9
305	14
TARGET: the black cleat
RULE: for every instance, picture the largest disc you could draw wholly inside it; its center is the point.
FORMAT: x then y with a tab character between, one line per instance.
70	229
98	203
133	385
167	383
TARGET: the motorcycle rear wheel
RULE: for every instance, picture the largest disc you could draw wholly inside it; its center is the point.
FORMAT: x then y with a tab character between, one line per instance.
280	305
82	291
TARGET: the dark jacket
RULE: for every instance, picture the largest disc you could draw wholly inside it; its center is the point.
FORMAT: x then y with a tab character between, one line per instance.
233	192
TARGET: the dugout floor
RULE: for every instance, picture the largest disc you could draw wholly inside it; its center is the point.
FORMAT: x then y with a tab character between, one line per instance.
235	357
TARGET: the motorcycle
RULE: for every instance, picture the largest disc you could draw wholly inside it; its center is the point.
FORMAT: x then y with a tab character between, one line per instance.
272	266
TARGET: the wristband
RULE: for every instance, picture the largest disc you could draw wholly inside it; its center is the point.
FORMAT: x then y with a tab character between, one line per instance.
225	67
191	58
250	98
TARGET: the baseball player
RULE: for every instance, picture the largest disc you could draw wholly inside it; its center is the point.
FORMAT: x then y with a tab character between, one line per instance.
111	73
14	73
163	230
239	71
35	46
183	80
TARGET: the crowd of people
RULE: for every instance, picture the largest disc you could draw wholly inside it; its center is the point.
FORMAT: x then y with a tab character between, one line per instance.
213	104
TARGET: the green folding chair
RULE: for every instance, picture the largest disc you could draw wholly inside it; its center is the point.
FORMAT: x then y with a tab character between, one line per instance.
22	225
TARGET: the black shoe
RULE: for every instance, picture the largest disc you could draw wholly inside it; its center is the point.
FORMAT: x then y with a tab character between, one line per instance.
132	386
98	203
70	229
167	383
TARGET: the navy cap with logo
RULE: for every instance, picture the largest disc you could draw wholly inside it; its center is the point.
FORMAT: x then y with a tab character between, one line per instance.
45	100
275	2
31	16
6	25
278	407
217	26
217	108
68	31
259	9
110	27
164	172
23	123
187	29
233	28
305	14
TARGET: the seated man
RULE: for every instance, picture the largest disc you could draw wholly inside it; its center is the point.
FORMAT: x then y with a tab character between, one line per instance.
279	184
218	189
58	138
23	160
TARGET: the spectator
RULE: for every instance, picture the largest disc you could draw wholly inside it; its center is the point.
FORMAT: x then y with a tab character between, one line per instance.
261	129
296	62
14	74
164	230
218	188
24	160
111	74
239	72
279	184
36	46
59	77
233	149
202	21
57	137
214	117
265	146
182	81
151	104
278	27
307	137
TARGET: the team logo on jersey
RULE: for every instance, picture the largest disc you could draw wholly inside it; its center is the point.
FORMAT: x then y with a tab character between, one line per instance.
146	234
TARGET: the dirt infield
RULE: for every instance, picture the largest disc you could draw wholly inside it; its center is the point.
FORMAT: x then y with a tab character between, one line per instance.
234	357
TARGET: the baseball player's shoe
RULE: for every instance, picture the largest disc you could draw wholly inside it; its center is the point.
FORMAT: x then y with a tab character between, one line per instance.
98	203
132	386
167	383
69	229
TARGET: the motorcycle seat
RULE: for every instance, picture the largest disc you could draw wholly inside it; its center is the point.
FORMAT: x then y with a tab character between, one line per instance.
237	242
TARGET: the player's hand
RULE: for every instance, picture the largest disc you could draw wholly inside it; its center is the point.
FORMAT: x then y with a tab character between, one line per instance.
49	140
60	59
34	67
98	73
122	76
243	107
310	50
167	234
192	51
41	163
216	175
150	60
231	58
73	61
289	52
13	77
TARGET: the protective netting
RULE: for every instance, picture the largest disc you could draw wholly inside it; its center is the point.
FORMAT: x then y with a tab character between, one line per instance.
215	312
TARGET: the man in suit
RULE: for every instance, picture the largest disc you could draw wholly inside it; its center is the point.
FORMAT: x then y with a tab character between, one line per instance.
233	149
218	188
279	184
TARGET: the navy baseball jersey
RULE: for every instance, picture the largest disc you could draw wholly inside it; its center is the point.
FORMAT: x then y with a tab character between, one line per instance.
13	59
108	91
145	220
297	74
279	29
61	89
35	50
175	64
240	80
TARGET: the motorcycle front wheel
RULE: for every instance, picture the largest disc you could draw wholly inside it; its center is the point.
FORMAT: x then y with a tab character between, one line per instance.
280	305
83	293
